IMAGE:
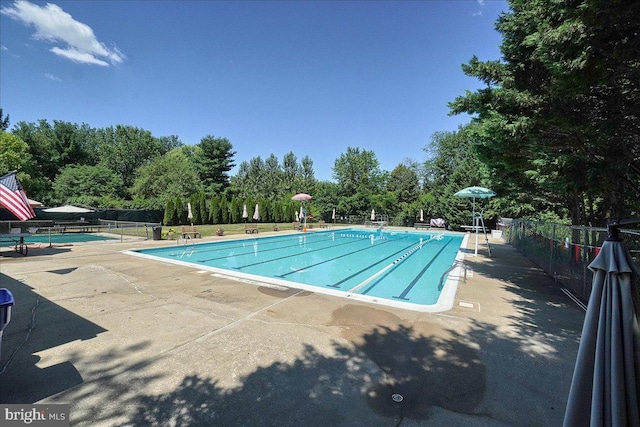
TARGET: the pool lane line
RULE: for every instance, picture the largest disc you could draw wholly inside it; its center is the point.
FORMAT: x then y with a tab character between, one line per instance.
333	259
292	255
251	251
295	238
263	240
388	268
337	284
415	279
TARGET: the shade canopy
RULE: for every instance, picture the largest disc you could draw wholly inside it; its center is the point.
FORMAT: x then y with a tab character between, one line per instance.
606	380
475	193
68	209
301	197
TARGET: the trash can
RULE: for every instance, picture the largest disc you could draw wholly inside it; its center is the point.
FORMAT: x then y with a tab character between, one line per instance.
157	232
6	302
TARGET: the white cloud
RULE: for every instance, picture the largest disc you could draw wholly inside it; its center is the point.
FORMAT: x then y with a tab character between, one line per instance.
54	25
52	77
3	47
481	2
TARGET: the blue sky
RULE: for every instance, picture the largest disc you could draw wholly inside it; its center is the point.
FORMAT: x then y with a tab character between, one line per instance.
272	77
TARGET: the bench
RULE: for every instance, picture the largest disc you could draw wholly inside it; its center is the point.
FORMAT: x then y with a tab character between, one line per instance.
322	224
190	230
250	228
296	225
421	225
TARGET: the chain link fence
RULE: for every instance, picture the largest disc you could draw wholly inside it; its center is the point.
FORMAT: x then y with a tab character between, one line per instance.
565	252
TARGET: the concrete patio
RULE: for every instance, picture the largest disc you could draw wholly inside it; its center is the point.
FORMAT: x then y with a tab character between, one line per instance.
134	342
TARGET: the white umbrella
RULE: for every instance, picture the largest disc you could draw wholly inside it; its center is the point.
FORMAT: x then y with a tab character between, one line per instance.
297	217
245	215
333	215
68	209
256	213
605	389
189	212
421	215
373	214
34	203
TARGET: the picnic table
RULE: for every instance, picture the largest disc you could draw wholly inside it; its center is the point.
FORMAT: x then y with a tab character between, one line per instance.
17	239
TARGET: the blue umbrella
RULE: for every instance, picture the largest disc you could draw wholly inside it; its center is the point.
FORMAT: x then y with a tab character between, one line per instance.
475	193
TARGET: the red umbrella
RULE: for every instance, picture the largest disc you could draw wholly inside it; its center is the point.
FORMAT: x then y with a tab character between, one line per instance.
302	197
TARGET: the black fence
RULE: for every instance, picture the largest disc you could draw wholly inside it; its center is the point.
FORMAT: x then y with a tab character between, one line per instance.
565	252
93	217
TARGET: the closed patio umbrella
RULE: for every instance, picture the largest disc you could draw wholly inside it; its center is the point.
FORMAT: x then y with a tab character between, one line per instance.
189	213
373	214
256	213
245	215
606	380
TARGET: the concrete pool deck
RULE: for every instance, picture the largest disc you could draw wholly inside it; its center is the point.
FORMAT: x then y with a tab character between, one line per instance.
130	341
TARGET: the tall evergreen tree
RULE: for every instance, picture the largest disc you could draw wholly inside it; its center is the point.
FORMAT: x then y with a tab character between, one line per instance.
214	160
559	115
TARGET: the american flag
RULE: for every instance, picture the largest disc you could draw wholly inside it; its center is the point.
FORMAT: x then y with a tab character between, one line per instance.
13	197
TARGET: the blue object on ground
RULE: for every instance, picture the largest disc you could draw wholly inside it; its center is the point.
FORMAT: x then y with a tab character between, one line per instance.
6	302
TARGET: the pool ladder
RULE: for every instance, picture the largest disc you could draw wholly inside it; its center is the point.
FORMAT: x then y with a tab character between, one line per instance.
187	243
459	263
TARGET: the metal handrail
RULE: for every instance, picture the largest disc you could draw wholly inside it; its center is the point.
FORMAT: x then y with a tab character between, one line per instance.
454	265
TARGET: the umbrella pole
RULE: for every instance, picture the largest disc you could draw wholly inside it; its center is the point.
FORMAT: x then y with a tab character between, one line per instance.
475	225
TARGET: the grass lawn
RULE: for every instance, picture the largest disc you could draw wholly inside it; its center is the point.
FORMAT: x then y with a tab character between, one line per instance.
228	229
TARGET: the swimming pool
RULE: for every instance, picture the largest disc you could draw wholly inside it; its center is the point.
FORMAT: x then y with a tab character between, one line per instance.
415	270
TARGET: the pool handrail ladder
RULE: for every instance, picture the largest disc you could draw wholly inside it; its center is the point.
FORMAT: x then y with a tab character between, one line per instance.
457	263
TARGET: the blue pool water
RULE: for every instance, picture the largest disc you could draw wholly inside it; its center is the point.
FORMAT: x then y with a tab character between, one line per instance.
406	269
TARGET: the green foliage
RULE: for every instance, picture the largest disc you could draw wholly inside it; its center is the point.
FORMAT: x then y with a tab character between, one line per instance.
559	116
14	155
180	208
202	207
269	179
223	207
357	171
170	175
87	181
4	121
403	181
124	149
214	160
170	213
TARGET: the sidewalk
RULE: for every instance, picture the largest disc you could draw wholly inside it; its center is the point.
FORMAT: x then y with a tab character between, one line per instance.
128	341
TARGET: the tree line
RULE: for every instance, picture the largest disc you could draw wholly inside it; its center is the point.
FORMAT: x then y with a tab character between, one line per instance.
555	132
